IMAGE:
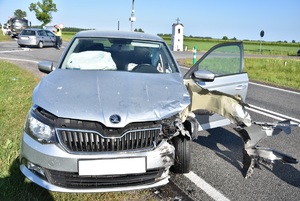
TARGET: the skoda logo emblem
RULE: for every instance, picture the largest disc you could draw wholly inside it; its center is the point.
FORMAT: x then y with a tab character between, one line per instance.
115	119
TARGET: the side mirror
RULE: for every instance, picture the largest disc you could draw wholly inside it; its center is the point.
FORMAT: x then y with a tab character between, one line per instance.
45	66
204	75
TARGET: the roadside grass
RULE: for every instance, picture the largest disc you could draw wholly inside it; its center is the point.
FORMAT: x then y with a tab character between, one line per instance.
4	38
16	86
67	36
279	72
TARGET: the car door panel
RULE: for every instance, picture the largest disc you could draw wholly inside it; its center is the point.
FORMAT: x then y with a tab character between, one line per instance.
52	38
43	37
226	62
231	84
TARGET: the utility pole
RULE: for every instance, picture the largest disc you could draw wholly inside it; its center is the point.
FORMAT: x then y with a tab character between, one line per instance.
132	18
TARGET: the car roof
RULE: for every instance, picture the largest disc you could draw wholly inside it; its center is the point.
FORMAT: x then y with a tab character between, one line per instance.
34	29
119	34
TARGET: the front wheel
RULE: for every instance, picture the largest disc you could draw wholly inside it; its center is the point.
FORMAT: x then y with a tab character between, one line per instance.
182	163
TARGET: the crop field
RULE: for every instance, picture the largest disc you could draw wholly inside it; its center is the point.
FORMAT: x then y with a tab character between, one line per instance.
250	47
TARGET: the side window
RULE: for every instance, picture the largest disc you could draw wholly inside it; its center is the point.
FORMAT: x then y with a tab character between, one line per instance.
50	34
224	60
42	33
28	32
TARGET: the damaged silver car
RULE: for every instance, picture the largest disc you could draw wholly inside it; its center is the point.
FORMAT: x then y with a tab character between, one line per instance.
116	114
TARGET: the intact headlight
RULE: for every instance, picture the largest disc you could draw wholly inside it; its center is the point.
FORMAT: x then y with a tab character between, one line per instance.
38	130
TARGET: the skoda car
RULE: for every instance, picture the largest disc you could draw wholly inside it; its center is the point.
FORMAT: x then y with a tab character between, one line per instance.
116	113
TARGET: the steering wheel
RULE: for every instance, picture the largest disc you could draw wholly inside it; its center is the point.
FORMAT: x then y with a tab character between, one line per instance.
145	68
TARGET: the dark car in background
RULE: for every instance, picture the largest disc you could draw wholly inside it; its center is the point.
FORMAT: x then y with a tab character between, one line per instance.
298	53
36	38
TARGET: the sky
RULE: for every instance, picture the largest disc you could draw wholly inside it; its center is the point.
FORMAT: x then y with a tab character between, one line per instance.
242	19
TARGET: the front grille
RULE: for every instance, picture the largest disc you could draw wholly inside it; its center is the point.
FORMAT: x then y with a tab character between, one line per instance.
73	180
92	141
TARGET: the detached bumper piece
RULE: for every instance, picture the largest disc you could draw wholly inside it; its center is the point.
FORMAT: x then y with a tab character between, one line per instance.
253	154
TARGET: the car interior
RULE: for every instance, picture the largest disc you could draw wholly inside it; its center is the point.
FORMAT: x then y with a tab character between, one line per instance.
120	55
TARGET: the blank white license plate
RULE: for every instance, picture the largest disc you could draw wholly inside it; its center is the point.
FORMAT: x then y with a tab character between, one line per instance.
112	166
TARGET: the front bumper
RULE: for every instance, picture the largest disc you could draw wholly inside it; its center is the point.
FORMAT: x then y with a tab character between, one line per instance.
58	170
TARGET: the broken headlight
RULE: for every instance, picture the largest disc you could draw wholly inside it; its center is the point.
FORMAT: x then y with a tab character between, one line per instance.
169	126
39	130
174	126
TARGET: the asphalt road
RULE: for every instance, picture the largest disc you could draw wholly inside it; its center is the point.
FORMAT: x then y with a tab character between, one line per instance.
217	153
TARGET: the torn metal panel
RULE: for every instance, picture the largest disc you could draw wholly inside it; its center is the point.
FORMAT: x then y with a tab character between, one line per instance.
253	154
231	107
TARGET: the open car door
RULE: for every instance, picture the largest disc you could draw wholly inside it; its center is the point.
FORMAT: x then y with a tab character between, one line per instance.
220	69
218	85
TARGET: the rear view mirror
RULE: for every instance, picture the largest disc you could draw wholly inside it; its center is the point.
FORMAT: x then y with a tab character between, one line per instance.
204	75
45	66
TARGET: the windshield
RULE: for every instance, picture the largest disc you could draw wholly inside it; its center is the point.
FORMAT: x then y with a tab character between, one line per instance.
119	55
28	32
20	23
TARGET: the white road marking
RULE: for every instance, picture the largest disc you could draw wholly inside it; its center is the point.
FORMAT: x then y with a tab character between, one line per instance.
13	59
271	114
261	85
14	50
206	187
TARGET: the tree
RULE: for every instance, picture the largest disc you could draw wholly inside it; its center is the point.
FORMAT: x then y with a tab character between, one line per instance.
19	13
225	38
43	10
139	30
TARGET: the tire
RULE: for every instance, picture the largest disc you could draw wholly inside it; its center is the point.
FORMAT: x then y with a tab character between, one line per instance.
41	44
182	162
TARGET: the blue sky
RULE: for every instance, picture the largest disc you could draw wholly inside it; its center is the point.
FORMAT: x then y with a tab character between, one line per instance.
243	19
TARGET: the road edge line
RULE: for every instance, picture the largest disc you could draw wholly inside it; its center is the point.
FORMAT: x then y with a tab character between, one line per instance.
206	187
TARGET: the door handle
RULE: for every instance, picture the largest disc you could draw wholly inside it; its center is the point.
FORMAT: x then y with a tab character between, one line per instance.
240	87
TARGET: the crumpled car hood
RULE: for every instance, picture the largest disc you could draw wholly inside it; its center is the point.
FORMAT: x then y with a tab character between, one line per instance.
97	95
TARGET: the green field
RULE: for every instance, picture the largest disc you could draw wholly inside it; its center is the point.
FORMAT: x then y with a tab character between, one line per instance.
250	47
4	38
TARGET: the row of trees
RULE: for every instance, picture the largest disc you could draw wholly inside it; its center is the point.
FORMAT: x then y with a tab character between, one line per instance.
210	38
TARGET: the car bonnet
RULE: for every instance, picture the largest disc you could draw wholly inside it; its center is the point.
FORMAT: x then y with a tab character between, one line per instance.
101	95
